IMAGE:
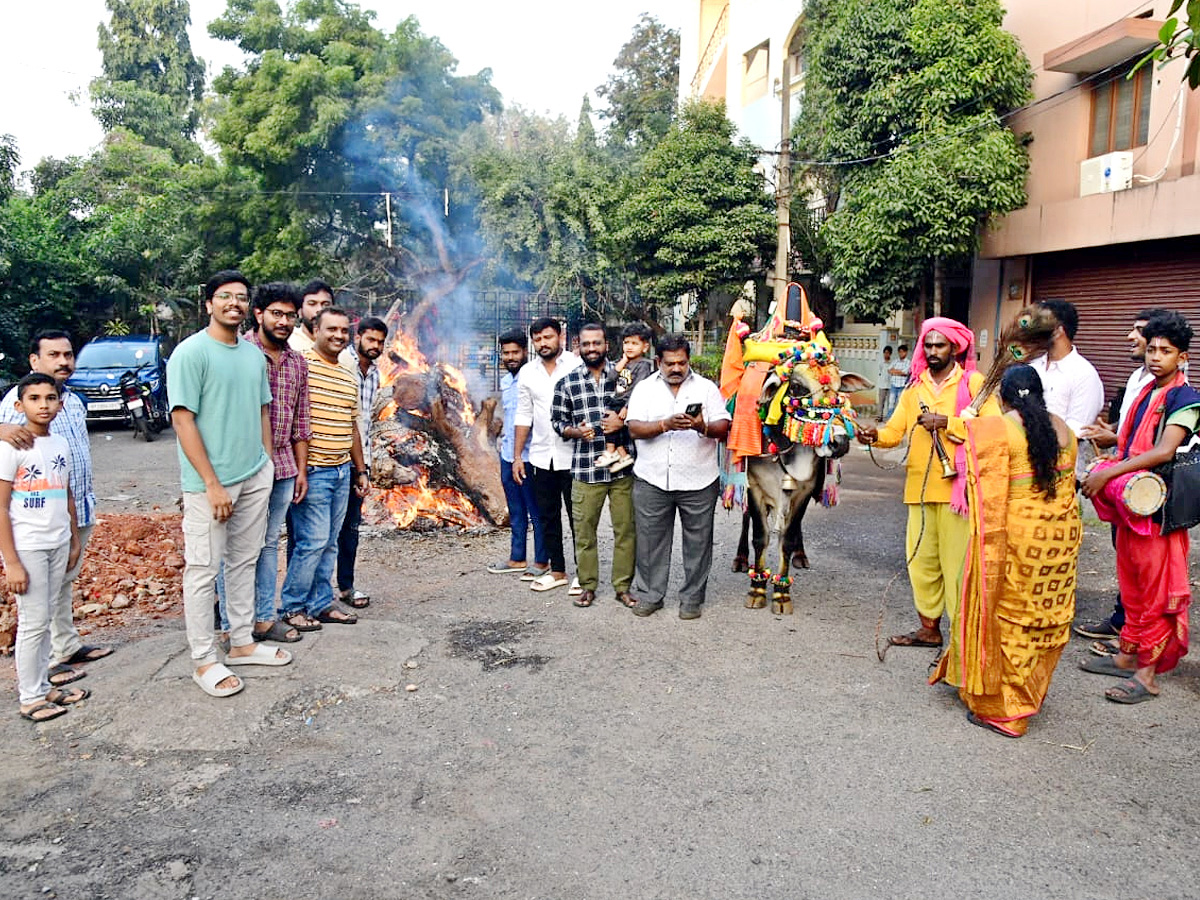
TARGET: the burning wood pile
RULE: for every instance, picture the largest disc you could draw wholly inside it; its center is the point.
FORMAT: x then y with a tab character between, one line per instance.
434	463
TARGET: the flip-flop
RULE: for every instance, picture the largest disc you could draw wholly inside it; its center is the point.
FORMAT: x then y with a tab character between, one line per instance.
356	599
504	568
995	729
69	697
213	676
1131	691
279	632
911	640
326	616
1104	648
65	675
261	655
305	623
1104	665
53	711
586	599
87	653
533	573
627	599
576	589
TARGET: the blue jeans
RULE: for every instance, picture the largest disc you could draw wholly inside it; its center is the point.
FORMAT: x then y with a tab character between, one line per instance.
522	508
317	520
266	570
894	399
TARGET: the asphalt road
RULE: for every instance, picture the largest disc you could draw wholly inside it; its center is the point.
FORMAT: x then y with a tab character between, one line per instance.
547	751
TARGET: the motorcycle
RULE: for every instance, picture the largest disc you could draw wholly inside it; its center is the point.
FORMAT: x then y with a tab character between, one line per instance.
142	409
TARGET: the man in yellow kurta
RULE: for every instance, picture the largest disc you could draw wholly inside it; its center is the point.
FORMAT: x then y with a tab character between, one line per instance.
944	381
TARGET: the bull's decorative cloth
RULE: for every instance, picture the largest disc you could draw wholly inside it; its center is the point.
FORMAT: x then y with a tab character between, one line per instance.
1018	593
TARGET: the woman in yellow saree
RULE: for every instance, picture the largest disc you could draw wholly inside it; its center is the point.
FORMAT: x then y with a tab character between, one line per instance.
1019	579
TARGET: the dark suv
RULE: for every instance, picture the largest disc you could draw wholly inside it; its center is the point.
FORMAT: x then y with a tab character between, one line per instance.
102	362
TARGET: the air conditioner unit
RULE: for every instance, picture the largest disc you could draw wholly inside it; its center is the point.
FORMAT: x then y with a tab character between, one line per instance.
1102	174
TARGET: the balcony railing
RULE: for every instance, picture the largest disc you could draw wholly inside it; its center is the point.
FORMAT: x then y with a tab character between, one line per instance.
711	50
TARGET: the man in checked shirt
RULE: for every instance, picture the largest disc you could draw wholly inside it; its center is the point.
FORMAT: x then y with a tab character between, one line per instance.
579	413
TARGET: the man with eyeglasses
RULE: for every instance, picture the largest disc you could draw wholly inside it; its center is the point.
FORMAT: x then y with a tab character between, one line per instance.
275	310
220	401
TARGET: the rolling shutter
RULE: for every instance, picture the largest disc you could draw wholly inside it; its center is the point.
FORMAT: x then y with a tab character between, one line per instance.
1110	285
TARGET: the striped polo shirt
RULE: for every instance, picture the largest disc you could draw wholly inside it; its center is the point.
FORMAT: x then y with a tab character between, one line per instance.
333	400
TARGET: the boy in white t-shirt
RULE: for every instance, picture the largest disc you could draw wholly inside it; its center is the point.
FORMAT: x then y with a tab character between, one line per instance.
39	543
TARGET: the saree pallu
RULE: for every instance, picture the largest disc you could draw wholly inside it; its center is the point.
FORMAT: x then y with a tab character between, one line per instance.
1018	597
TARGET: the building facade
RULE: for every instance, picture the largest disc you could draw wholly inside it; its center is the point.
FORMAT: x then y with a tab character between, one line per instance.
1113	217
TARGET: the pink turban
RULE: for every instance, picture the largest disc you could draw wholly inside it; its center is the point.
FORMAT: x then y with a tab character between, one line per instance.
960	337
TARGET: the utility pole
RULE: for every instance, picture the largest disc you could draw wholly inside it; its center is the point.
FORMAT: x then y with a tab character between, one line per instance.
783	187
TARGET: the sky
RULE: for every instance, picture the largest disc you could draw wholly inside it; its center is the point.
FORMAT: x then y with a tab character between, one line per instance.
544	55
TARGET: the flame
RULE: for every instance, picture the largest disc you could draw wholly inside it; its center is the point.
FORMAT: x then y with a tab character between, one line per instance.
419	504
441	506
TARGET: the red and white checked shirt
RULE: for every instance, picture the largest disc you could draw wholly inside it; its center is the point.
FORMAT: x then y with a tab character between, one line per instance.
290	417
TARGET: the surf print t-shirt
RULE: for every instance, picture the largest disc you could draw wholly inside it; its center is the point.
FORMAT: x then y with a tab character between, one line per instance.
40	520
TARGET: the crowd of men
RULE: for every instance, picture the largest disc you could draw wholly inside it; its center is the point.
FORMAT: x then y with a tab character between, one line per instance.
298	385
273	421
582	430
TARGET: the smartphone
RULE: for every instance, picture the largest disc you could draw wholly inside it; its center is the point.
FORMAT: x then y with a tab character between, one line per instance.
693	409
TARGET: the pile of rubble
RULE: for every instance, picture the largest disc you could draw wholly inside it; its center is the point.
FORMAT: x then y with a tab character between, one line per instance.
132	571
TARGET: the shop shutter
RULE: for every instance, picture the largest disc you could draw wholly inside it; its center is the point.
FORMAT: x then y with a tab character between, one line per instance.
1110	285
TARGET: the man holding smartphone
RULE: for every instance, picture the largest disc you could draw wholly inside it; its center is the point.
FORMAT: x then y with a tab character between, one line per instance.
581	413
676	419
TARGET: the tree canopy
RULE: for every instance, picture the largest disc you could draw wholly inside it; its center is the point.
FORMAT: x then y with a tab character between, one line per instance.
907	101
642	89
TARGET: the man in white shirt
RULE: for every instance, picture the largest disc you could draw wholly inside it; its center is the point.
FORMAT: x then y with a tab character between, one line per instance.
549	467
1072	385
1104	436
315	296
676	417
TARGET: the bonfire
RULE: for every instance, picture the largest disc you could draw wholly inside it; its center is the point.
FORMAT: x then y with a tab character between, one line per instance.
434	463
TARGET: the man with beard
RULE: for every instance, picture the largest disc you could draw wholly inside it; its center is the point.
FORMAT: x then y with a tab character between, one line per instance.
51	354
549	455
275	307
1073	388
1105	436
368	346
522	509
677	418
334	452
314	297
220	409
944	381
580	413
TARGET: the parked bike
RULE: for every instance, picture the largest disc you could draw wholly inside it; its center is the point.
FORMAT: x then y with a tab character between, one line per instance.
141	406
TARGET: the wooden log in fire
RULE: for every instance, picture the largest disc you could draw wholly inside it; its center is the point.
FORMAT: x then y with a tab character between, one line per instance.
433	459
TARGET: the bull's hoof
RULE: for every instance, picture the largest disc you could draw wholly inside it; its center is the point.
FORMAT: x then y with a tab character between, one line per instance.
799	560
740	564
756	600
781	607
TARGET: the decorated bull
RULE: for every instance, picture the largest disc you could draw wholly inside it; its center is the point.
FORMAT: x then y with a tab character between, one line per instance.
792	421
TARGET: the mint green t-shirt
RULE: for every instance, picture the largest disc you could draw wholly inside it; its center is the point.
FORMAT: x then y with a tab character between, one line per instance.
225	388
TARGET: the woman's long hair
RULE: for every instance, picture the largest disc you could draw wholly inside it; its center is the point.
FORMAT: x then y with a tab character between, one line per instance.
1021	388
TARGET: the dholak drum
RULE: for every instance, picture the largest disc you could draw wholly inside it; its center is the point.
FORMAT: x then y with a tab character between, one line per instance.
1143	493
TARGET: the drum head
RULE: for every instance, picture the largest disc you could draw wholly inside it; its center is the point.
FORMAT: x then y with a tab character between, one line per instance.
1144	493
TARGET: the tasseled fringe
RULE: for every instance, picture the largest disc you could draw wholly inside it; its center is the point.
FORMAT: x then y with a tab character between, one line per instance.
833	477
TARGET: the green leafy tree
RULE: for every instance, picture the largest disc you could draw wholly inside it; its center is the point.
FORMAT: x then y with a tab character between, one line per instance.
152	83
641	92
545	200
696	217
1180	37
332	115
911	97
